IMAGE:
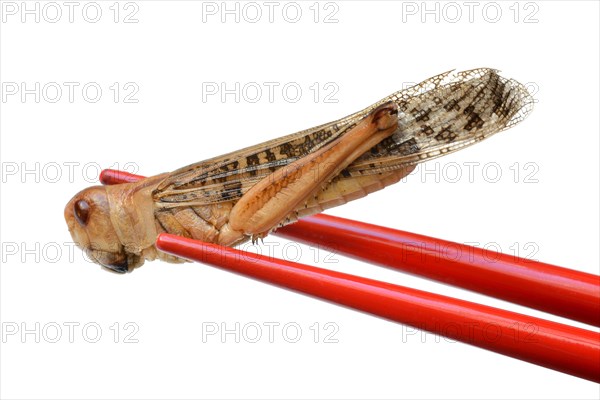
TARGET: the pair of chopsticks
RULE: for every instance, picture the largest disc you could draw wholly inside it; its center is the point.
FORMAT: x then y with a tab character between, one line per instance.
560	291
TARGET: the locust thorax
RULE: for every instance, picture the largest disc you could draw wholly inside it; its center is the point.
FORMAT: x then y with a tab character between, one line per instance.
115	225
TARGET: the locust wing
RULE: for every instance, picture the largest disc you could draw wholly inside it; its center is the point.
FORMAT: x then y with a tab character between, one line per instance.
438	116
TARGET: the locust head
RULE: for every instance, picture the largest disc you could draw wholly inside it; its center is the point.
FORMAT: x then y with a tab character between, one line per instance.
89	221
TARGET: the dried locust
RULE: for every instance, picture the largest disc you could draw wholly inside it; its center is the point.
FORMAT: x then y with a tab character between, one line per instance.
250	192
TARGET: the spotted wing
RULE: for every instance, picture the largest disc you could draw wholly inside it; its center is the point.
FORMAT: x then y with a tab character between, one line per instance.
228	177
447	113
438	116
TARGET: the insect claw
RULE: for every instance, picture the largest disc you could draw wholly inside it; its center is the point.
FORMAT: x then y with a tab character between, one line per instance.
255	237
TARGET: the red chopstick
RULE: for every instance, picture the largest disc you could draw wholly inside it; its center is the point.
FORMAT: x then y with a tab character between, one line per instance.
560	291
557	290
549	344
557	346
114	177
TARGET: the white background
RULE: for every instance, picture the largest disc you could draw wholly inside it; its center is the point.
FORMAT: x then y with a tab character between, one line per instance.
372	50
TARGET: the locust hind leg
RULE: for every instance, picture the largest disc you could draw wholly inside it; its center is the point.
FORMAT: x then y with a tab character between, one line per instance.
268	202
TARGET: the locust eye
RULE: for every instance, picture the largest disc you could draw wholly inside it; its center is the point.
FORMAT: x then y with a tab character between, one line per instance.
82	211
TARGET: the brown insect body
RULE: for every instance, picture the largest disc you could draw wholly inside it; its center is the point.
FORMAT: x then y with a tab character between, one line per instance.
246	194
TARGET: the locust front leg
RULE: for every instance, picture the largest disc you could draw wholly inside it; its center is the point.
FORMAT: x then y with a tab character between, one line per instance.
268	202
